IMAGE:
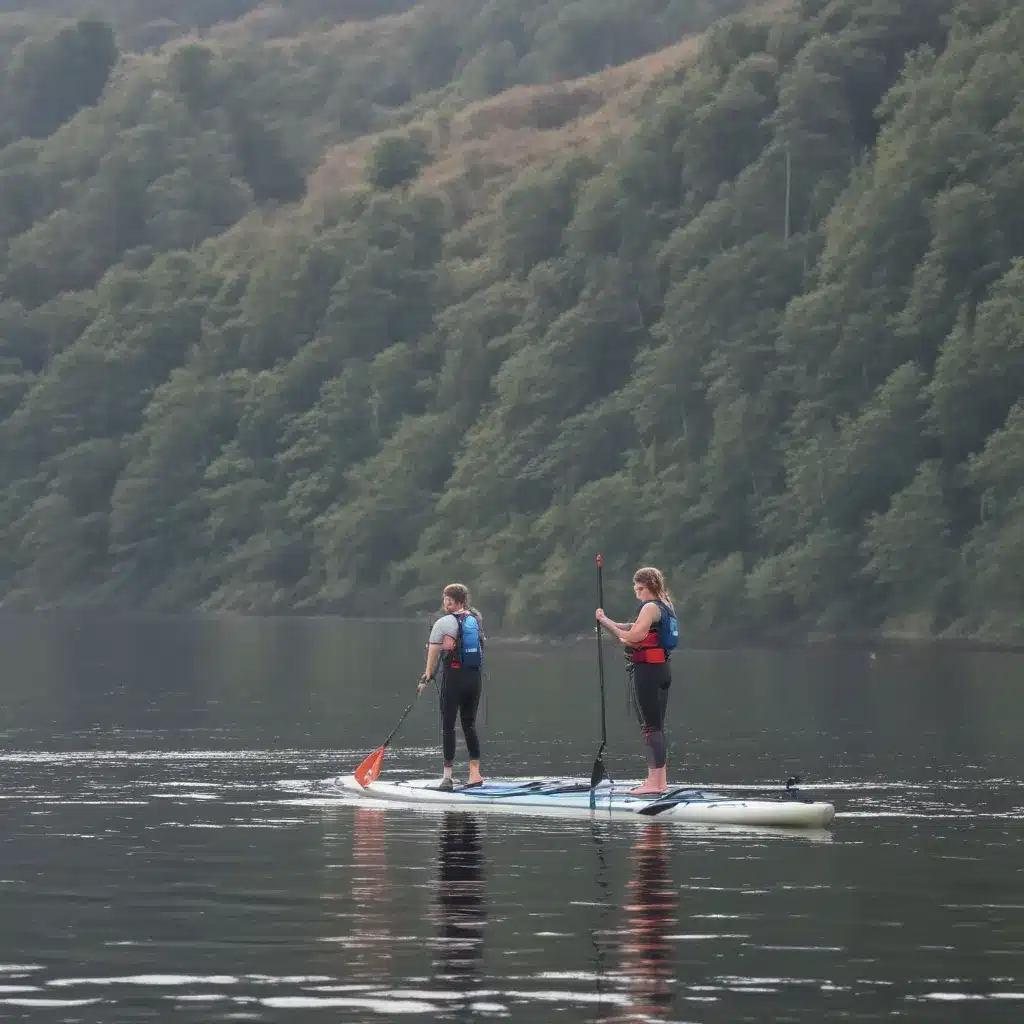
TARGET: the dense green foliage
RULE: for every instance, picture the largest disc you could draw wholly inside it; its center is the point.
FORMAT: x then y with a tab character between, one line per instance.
774	345
186	143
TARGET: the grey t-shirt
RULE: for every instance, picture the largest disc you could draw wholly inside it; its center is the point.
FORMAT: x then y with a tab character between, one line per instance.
448	625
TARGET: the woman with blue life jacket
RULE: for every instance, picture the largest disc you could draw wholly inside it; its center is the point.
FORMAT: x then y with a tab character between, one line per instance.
456	644
649	642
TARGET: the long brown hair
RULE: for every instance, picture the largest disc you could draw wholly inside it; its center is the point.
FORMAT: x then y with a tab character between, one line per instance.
654	580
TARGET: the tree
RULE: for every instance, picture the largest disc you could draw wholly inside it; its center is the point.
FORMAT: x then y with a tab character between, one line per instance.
51	79
193	77
908	546
396	161
263	160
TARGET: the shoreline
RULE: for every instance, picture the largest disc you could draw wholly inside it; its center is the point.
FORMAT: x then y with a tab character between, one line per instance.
781	640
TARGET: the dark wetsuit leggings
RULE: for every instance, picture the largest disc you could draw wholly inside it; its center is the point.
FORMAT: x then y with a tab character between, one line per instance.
460	697
650	701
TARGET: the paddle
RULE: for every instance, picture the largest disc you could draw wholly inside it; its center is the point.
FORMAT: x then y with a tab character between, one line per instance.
370	768
598	772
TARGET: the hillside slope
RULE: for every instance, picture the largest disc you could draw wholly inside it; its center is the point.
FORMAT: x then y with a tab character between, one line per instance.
746	309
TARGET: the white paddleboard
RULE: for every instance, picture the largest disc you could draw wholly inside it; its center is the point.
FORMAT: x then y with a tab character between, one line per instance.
573	797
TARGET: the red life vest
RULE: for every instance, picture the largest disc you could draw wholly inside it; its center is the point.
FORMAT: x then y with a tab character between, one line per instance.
649	651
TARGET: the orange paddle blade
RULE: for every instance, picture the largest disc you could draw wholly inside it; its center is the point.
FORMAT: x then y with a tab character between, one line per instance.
370	768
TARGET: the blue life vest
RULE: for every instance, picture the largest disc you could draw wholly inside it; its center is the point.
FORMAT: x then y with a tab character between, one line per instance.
468	652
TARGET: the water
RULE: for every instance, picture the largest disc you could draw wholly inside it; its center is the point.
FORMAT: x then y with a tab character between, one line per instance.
168	852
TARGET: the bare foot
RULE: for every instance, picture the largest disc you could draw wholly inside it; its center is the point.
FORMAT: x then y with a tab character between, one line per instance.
646	790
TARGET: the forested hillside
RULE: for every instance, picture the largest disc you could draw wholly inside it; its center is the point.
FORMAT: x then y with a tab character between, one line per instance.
300	313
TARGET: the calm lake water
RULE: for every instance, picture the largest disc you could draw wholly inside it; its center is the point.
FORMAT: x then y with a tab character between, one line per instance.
169	852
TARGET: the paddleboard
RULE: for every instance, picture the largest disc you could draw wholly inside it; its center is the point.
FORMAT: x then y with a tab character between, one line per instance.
574	797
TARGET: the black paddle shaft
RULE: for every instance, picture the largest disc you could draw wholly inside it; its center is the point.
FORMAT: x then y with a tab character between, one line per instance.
598	772
600	650
405	715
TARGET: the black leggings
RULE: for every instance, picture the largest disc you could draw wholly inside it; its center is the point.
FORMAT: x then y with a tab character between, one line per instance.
460	696
650	685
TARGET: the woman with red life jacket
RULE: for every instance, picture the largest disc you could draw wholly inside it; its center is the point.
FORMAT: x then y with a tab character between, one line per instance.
649	642
456	643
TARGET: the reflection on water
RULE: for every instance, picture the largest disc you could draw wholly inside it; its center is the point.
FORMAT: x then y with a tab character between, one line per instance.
600	933
460	913
371	946
650	913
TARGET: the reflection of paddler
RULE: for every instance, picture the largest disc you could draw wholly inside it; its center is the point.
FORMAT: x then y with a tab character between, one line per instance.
650	915
460	898
371	895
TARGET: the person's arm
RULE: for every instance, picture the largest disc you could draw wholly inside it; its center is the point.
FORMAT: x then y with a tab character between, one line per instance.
434	650
625	626
433	653
635	632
